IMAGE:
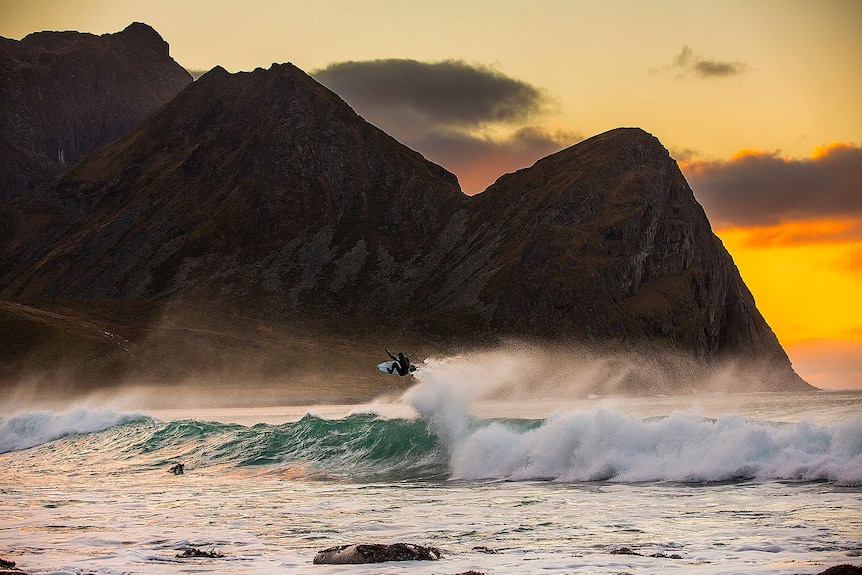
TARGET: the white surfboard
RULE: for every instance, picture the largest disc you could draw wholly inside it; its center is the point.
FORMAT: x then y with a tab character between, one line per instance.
386	367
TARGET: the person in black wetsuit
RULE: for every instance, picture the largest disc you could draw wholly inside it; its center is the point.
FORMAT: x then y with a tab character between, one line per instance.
401	364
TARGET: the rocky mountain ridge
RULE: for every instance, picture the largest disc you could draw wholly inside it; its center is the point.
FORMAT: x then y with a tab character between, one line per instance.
263	193
66	94
612	244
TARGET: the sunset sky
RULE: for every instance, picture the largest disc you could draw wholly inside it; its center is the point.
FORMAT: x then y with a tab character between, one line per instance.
760	101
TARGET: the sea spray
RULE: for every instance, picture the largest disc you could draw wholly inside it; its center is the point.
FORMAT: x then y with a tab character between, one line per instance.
448	387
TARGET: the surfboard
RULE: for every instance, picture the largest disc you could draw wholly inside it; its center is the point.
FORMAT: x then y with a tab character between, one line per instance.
386	367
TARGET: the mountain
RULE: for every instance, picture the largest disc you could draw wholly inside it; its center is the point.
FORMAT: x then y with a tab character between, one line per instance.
65	94
606	241
263	196
262	189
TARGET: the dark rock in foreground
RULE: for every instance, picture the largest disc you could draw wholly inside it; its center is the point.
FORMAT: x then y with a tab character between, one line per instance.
630	551
194	552
8	568
375	553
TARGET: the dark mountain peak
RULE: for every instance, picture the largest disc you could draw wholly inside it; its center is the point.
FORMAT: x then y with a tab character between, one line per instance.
605	241
215	71
136	35
145	35
280	77
275	129
66	94
623	137
624	144
53	40
611	186
617	151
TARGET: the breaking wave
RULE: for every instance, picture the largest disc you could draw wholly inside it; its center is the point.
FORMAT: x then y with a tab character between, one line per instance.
444	441
598	445
607	446
33	428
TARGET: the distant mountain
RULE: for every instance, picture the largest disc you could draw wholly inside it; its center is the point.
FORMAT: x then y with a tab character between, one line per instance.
265	194
65	94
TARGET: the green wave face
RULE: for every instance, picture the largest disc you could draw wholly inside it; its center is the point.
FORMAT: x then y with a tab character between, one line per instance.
360	447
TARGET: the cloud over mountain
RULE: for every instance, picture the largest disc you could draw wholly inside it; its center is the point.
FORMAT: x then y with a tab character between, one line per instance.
765	189
451	92
472	119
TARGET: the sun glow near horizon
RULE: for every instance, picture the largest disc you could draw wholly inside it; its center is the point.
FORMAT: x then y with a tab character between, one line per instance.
788	280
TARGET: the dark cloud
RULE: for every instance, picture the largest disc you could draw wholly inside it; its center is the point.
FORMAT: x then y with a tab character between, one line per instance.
451	92
689	63
716	68
763	189
446	111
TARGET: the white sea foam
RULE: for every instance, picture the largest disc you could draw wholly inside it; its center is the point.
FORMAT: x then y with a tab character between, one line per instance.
603	444
32	428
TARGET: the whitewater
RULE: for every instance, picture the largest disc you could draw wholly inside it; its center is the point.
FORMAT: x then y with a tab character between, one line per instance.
700	483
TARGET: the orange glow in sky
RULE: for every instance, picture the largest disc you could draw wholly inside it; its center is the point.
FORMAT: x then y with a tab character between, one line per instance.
823	151
809	293
794	229
789	279
831	233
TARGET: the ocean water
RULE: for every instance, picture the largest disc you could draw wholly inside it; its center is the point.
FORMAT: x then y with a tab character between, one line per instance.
702	483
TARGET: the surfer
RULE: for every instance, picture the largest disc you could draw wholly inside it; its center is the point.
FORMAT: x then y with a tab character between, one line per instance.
400	364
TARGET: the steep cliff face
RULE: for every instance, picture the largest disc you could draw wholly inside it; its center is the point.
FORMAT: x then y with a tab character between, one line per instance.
605	241
264	193
65	94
